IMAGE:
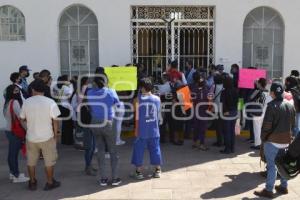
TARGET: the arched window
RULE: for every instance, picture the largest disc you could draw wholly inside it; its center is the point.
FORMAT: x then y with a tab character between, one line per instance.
78	30
12	24
264	41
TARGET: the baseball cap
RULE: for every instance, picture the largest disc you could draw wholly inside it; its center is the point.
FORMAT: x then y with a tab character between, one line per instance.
24	68
277	88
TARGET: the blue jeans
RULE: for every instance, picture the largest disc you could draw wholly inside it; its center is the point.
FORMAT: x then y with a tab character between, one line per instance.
89	146
271	152
297	125
14	146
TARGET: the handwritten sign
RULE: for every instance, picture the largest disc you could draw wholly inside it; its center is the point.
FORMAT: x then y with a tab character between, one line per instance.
122	78
247	77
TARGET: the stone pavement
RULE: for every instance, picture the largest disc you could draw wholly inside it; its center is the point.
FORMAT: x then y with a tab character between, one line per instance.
187	174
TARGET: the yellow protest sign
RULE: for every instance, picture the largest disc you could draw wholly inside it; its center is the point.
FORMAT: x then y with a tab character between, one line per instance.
122	78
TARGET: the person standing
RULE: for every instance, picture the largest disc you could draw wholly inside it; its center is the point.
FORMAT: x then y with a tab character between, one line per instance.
218	88
147	131
24	74
15	78
15	132
64	92
235	69
40	114
229	100
276	134
261	98
200	100
292	87
176	82
101	101
190	70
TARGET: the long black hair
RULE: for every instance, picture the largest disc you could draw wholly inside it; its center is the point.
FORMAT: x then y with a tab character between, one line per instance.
9	95
61	80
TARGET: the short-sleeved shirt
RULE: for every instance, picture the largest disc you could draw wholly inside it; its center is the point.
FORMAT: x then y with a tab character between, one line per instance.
101	102
39	111
148	116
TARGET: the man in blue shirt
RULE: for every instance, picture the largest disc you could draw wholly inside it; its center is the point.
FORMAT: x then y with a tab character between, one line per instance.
147	130
190	70
24	74
101	101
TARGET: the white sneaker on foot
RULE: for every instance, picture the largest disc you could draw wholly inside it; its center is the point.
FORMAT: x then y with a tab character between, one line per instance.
121	142
107	156
11	176
20	179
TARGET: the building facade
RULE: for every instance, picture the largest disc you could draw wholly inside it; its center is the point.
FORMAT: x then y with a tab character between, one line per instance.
75	36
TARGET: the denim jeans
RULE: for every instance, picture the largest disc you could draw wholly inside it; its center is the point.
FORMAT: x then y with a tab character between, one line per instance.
106	137
271	152
14	147
89	146
297	125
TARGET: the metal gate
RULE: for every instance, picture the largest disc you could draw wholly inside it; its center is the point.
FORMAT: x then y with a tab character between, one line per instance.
163	34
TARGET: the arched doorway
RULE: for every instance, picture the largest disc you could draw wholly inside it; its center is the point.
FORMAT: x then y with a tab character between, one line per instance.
263	42
78	34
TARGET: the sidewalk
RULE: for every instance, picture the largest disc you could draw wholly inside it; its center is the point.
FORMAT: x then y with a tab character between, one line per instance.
187	174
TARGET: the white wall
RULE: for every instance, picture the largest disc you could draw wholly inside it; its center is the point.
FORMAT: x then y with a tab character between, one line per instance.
41	48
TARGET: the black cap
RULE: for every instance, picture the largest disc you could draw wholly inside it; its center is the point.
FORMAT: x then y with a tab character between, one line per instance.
24	68
277	88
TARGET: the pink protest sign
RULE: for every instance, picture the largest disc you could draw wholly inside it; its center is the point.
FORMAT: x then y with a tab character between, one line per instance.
247	77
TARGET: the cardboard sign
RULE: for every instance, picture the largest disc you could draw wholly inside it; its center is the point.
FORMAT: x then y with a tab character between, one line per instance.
122	78
184	96
247	77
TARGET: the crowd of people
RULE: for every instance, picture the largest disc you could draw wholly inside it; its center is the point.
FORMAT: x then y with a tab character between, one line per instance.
35	112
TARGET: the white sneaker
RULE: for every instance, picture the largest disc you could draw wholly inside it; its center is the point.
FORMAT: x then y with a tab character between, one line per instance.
107	156
121	142
20	179
11	176
96	150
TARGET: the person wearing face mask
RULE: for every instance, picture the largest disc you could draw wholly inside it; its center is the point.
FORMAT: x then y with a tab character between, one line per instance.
200	92
235	74
24	74
276	134
16	79
12	107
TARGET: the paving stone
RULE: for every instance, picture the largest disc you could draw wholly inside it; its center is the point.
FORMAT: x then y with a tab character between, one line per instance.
187	175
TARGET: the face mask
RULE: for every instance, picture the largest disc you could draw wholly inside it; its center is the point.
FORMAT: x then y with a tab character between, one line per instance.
17	96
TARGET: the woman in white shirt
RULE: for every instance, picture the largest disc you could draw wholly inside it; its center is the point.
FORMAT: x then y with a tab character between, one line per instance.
12	107
63	92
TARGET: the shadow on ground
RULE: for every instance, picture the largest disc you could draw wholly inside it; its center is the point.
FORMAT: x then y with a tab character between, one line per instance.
69	170
232	188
